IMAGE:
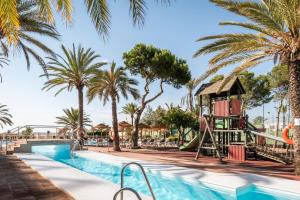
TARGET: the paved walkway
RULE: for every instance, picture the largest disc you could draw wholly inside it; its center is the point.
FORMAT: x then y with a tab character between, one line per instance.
19	182
186	159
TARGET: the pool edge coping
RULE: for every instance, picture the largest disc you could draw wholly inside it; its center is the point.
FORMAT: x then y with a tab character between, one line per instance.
253	177
22	156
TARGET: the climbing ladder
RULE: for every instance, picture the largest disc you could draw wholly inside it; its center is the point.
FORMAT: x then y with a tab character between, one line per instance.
270	155
131	189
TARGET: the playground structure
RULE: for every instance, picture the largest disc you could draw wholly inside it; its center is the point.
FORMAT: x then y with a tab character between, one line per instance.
225	131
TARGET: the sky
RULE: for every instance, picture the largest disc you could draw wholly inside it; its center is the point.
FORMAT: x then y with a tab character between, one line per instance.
174	27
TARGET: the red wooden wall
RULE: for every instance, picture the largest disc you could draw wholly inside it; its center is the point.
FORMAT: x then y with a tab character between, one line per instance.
235	107
237	152
221	108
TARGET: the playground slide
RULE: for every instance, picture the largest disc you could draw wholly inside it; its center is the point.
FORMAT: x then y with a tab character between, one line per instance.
193	144
267	136
254	131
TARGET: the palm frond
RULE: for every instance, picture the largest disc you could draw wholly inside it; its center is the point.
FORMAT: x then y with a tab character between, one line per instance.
3	61
9	23
65	6
257	12
70	119
30	22
71	70
247	63
137	11
275	27
112	83
45	9
100	15
5	116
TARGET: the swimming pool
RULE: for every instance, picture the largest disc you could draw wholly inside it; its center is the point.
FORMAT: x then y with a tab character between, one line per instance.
165	188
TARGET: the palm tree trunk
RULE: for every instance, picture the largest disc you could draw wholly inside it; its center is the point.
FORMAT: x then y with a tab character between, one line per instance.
132	117
135	134
191	101
80	102
116	142
294	94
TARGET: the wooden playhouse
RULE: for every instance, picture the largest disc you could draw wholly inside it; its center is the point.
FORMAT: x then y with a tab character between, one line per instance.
224	127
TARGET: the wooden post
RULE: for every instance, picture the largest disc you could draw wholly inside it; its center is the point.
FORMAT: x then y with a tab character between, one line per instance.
210	106
201	136
201	106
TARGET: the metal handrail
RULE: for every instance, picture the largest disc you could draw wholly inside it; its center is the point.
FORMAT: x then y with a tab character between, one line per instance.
129	189
144	174
73	148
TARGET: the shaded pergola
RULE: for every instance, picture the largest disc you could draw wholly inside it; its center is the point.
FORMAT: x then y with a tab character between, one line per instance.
158	128
142	127
124	126
101	127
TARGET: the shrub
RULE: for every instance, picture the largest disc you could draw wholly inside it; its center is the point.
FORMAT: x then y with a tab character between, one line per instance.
172	139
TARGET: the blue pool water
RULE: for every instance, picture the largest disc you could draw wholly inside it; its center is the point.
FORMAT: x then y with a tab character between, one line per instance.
165	188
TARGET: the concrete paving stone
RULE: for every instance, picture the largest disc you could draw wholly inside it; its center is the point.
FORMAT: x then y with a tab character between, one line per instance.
20	182
6	197
26	198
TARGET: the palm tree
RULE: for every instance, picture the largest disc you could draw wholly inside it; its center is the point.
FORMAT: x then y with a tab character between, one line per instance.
30	24
189	98
97	9
70	119
112	84
130	109
74	70
27	133
5	117
275	35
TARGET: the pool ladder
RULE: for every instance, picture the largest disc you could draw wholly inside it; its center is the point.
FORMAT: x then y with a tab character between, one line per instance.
73	148
130	189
